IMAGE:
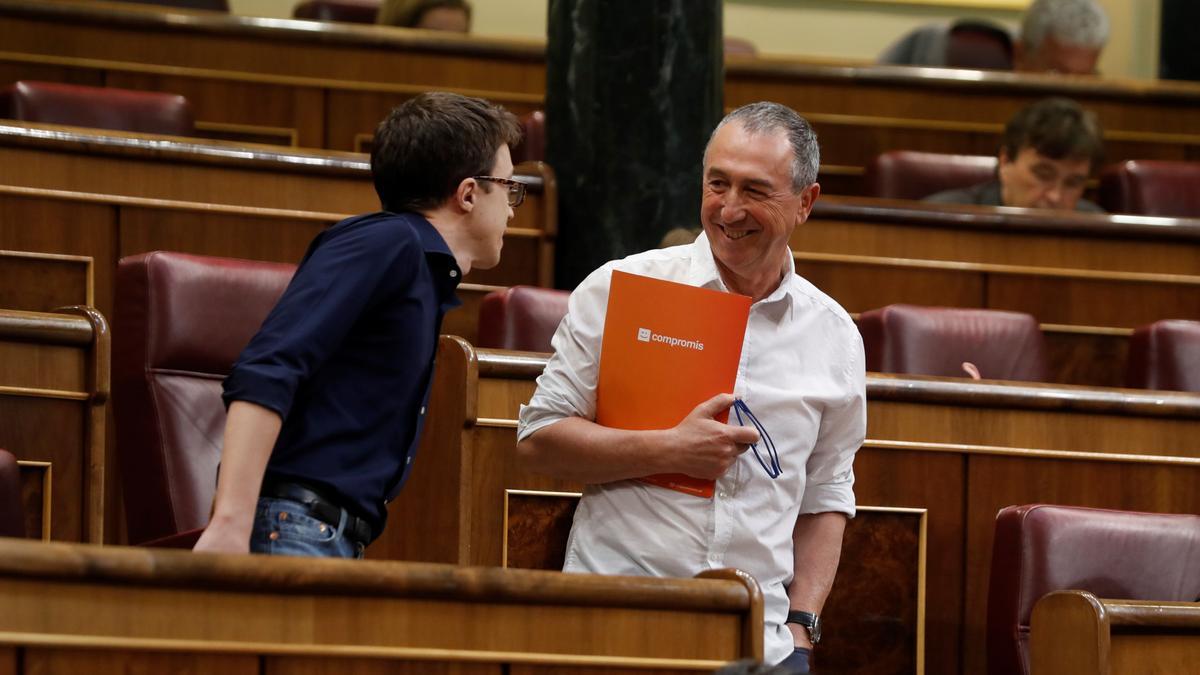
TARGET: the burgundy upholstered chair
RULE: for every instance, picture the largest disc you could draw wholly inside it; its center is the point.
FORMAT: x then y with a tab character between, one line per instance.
12	513
97	107
1038	549
521	317
180	322
349	11
906	174
532	147
979	45
1165	355
938	340
1152	188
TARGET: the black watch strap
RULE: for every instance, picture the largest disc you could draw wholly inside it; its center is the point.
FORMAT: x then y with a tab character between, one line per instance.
810	621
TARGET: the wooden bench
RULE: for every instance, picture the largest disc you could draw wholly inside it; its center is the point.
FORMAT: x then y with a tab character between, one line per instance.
54	384
959	450
1076	633
320	86
79	608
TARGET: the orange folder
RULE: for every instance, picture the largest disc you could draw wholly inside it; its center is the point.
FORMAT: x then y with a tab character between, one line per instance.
667	348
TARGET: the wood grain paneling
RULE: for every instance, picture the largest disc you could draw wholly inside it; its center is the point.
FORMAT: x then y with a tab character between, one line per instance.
59	661
40	282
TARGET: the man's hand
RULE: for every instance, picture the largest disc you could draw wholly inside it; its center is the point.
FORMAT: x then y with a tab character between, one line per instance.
223	538
705	448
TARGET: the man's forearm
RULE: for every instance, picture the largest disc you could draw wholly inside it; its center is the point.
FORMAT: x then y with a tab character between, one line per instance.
581	450
250	434
817	540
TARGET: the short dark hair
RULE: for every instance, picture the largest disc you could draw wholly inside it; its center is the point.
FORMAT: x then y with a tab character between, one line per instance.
427	145
1056	127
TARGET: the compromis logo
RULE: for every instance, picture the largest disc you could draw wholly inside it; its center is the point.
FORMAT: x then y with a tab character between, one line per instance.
646	335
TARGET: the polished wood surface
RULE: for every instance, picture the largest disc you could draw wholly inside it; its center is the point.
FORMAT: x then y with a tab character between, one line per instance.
1076	633
959	449
144	606
41	282
320	85
1088	279
54	385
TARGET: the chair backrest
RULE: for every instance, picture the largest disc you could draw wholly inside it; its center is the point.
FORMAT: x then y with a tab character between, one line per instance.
1039	548
1151	188
521	317
532	147
349	11
12	513
907	174
979	45
180	322
1165	355
97	107
937	340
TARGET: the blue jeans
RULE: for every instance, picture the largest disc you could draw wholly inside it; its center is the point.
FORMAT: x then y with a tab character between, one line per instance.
283	527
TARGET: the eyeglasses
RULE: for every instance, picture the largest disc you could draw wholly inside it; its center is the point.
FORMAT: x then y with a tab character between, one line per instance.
771	465
516	189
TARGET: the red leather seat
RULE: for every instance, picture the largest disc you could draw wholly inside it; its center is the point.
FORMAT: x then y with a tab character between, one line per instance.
97	107
978	44
906	174
532	147
521	317
937	340
1152	188
1038	549
1165	355
180	322
12	513
349	11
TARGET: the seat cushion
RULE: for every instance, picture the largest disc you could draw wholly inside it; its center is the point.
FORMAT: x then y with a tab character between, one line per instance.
1165	355
938	340
905	174
98	108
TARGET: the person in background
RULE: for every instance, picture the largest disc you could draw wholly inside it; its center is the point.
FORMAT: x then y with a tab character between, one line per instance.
327	402
1057	36
1049	150
446	15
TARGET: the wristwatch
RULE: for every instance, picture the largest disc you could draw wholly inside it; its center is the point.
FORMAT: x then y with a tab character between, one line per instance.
811	622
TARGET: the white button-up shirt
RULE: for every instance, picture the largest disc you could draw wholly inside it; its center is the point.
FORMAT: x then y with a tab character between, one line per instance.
801	374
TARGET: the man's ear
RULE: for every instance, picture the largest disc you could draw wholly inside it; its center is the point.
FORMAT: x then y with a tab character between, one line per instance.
466	195
808	197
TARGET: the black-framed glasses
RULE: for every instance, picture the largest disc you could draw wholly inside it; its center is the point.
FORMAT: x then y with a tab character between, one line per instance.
516	189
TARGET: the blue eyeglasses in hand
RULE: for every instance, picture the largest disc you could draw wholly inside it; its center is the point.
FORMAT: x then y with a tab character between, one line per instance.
774	470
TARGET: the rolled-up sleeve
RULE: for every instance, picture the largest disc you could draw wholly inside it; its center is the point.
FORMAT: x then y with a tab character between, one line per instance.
830	484
567	387
338	282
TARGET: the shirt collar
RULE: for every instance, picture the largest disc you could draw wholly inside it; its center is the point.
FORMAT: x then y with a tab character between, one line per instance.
703	272
446	273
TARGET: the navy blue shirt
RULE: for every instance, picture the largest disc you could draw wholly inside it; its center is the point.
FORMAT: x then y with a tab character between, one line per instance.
346	357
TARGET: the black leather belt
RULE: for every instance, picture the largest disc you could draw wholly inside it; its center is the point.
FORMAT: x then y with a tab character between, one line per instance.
323	509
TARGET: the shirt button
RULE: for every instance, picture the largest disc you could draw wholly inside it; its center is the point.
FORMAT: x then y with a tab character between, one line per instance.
722	494
453	273
422	410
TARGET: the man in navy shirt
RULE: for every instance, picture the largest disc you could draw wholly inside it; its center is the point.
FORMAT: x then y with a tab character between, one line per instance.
327	402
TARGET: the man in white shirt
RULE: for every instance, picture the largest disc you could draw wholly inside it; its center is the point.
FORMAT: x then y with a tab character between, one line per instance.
801	373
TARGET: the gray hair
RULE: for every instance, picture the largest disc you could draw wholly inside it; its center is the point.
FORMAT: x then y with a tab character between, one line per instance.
767	117
1081	23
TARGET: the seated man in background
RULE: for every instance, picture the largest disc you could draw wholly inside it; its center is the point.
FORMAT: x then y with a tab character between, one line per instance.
1048	151
327	402
1057	36
453	16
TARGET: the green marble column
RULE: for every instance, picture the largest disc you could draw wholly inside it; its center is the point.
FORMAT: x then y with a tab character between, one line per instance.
633	89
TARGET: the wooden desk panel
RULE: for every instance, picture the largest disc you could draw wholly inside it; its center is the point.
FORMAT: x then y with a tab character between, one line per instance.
141	607
54	387
41	282
956	448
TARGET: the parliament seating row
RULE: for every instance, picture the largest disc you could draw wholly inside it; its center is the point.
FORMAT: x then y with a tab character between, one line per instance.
97	107
1138	187
321	87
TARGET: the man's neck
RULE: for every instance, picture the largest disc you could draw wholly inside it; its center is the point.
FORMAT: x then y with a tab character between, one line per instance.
453	231
756	288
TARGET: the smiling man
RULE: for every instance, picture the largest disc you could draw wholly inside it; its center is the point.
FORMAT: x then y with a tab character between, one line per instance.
801	372
327	402
1050	148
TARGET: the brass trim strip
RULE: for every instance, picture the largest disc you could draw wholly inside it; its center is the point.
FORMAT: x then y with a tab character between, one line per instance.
1086	330
44	393
370	651
1031	453
996	268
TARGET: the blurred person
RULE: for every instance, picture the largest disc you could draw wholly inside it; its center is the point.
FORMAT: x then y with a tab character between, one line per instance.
445	15
1049	150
